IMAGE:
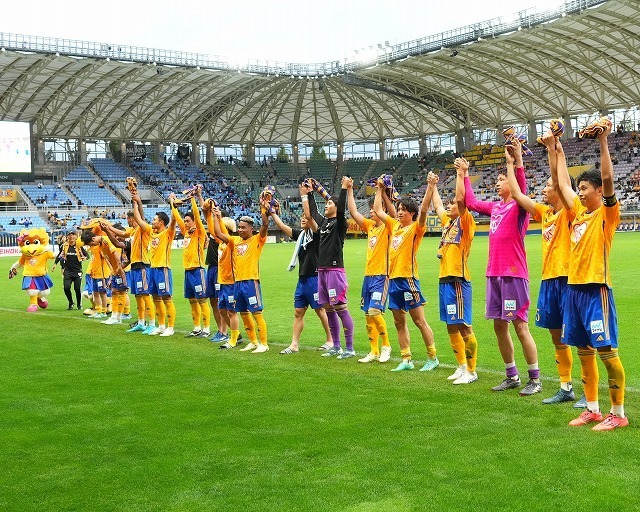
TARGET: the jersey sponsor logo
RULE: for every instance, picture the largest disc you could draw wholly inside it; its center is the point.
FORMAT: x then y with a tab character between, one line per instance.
396	241
217	285
162	286
496	220
373	241
242	249
332	292
231	298
139	285
509	305
451	309
597	326
198	288
376	296
547	234
316	296
408	296
253	301
577	232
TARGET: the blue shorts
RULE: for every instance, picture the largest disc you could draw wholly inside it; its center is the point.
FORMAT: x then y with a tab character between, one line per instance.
227	297
195	284
248	296
374	293
553	293
589	317
161	282
212	281
99	285
455	303
405	294
118	284
140	280
87	284
306	293
39	283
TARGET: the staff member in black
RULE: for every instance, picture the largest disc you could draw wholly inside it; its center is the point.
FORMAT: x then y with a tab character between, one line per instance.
70	257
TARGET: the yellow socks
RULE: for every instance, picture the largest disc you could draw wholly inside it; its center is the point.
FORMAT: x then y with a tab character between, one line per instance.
405	353
206	314
196	314
262	327
372	333
161	310
171	312
381	326
431	351
149	310
589	368
457	344
564	361
141	307
233	340
249	327
471	351
615	373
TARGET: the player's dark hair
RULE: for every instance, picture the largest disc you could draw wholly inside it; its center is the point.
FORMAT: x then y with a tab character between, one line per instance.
591	176
190	214
87	236
130	214
163	217
409	205
573	183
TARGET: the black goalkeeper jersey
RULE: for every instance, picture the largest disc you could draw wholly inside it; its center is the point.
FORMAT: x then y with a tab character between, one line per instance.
332	234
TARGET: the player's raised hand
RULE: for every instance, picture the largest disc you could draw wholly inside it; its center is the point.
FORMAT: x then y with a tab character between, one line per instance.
432	178
461	164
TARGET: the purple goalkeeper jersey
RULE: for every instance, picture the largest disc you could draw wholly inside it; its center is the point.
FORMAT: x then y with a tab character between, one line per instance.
509	222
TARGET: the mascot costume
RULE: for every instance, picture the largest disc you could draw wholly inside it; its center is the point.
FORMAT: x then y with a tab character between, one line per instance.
36	282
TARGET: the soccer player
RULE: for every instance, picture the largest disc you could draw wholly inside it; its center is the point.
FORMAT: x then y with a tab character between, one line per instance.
119	283
589	321
332	279
376	281
163	231
247	248
507	295
71	256
458	230
404	285
104	263
195	280
555	264
226	283
306	257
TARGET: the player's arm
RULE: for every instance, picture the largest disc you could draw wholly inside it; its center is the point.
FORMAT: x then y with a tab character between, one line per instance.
567	194
313	225
432	180
606	166
109	252
389	205
111	234
424	207
516	192
197	218
377	202
264	228
312	216
462	167
353	209
519	165
287	230
138	214
470	200
175	214
220	230
13	271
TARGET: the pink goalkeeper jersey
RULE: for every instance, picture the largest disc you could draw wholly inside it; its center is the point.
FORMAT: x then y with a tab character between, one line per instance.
509	222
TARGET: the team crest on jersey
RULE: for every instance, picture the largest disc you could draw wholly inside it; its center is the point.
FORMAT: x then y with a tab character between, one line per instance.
33	262
155	242
495	222
577	232
242	249
373	241
547	234
396	241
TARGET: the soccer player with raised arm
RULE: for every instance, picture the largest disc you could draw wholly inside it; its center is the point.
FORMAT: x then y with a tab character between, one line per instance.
247	248
332	279
195	279
589	320
507	295
306	258
119	282
555	221
163	231
458	230
226	283
376	279
404	284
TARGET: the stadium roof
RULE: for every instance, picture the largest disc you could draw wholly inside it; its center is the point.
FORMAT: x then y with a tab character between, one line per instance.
582	59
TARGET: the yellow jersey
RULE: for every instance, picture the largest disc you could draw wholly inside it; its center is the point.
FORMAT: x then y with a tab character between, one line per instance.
556	240
591	238
160	252
377	248
140	238
36	266
246	256
193	247
455	245
102	259
403	248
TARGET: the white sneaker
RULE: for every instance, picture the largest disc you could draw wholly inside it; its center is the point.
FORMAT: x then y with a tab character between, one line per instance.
458	373
111	321
250	346
158	330
260	349
167	332
205	333
467	378
385	354
368	358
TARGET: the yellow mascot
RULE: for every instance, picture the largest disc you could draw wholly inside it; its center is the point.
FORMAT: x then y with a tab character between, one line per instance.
36	282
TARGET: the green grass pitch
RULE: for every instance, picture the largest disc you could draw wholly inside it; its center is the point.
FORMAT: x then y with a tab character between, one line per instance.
96	419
